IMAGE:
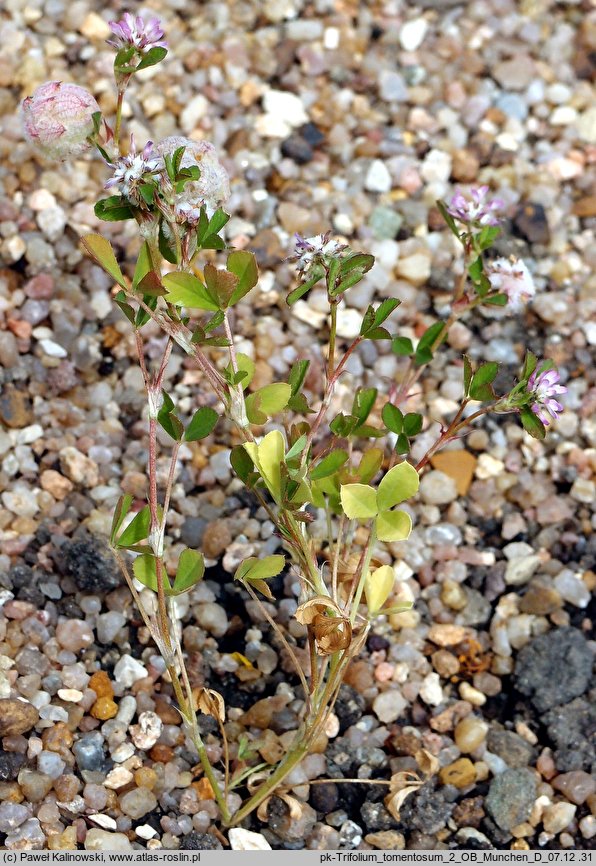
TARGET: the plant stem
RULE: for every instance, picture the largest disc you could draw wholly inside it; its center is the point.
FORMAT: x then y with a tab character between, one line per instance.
293	757
118	120
372	540
452	430
332	338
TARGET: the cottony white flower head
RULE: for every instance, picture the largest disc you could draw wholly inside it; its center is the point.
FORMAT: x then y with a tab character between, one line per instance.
545	388
133	32
58	119
213	186
130	170
309	250
475	210
514	279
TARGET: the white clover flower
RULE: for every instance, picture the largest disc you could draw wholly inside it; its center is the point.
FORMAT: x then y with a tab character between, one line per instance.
309	250
130	170
58	119
213	186
514	279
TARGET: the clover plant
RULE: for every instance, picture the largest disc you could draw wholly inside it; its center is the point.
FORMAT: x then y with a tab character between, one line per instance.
296	457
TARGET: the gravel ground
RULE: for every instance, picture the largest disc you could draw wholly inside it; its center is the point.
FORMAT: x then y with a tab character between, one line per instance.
356	116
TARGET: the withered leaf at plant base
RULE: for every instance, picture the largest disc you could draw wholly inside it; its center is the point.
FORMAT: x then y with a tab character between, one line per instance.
332	633
210	702
402	785
318	604
295	806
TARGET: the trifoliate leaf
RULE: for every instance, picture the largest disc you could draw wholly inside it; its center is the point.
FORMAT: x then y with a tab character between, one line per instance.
393	526
399	484
359	501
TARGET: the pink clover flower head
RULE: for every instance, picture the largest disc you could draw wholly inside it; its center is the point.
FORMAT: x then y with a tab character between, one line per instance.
514	279
133	32
58	119
475	210
544	388
309	250
132	169
212	188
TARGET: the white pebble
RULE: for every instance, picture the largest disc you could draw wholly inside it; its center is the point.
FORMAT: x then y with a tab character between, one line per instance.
431	691
52	349
412	34
246	840
128	670
377	178
147	732
389	706
558	816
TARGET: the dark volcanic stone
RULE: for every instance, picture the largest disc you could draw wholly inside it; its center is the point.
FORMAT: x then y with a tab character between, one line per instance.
340	757
426	810
554	668
572	729
297	148
10	764
287	828
376	816
510	797
195	841
349	707
90	565
311	133
32	594
531	224
377	642
324	798
20	575
513	749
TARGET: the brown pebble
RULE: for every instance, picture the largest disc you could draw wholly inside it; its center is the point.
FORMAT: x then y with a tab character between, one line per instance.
204	789
540	600
161	754
67	787
448	719
405	743
460	773
216	539
101	685
166	712
15	408
469	812
488	684
445	663
585	207
359	676
259	715
58	738
16	717
576	785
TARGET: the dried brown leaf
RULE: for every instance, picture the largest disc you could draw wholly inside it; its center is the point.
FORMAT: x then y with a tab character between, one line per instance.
210	702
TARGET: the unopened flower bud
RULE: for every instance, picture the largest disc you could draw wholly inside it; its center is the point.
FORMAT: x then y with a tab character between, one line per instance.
58	119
